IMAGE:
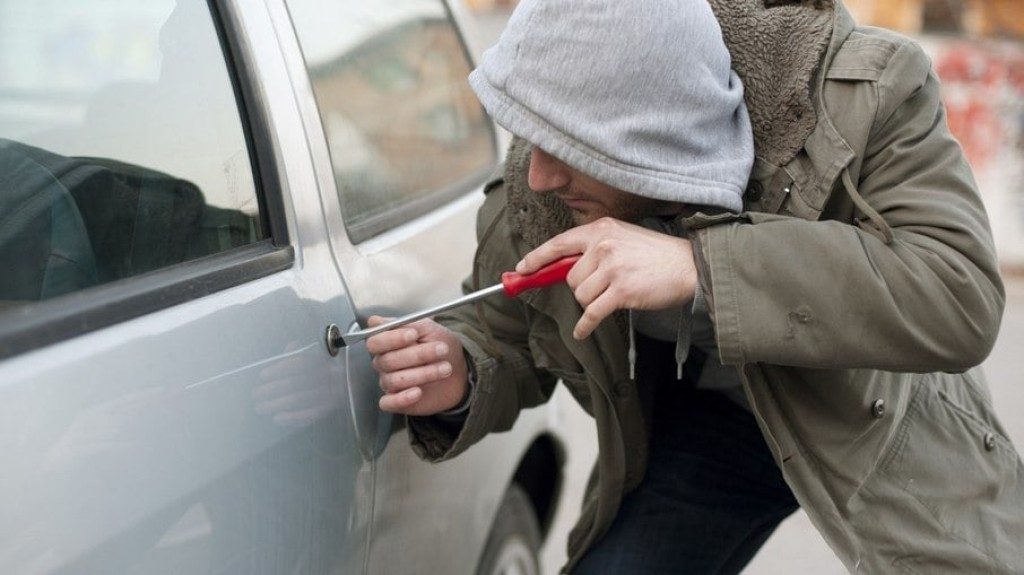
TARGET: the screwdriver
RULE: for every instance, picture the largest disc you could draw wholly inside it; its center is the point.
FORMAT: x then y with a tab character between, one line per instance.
512	284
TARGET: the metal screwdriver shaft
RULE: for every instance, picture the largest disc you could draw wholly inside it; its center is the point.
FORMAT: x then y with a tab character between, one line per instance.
512	284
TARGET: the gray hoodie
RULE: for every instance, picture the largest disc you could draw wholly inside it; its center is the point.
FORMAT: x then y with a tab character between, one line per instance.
639	95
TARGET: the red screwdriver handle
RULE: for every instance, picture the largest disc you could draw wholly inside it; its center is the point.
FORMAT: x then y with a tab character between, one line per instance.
553	273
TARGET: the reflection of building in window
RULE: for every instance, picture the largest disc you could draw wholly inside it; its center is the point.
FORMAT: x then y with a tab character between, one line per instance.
400	119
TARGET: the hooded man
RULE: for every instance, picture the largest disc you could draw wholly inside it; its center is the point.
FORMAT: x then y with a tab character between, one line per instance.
785	285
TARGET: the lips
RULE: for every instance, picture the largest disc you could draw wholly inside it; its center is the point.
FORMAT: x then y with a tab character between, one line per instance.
573	201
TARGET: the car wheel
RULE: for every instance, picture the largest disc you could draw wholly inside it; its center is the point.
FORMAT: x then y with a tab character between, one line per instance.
514	542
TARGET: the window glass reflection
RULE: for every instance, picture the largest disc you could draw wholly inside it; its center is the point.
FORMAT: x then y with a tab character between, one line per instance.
404	129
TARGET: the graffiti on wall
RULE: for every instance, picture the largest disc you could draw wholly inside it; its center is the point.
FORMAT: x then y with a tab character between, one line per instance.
983	90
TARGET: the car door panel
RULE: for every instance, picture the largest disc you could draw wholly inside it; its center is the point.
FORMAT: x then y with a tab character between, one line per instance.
214	435
183	411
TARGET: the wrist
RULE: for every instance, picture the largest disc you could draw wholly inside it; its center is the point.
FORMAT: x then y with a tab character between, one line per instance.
463	405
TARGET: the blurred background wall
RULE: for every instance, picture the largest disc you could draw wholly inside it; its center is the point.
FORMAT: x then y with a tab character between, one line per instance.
978	50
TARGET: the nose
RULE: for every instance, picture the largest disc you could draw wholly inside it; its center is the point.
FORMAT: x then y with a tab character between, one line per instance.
547	172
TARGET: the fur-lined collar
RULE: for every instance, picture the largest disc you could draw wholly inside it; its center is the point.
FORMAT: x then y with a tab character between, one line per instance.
776	51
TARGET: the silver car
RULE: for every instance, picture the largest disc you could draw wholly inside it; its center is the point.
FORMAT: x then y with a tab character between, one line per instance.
196	200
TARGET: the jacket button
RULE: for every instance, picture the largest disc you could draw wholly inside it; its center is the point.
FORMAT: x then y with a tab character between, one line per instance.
878	408
990	441
754	191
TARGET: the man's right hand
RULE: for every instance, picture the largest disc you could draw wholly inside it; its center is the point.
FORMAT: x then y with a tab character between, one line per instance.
421	366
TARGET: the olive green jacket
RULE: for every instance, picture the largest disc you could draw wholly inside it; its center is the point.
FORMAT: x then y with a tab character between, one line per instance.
856	294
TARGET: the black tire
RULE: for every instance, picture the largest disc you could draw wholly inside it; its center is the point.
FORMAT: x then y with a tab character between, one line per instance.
513	545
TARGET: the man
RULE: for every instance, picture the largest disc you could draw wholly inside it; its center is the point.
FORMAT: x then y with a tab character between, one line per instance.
753	330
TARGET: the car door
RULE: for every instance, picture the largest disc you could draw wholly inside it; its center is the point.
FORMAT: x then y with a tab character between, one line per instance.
405	151
169	402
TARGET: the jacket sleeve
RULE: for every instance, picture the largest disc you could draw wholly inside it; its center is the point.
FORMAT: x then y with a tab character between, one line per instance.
923	296
495	336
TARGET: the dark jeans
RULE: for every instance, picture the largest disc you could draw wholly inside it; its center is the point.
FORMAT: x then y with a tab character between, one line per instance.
711	497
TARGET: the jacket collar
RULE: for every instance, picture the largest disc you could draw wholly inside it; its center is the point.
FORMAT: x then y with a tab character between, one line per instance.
777	51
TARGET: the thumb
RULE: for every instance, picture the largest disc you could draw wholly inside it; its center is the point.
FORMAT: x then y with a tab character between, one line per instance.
375	320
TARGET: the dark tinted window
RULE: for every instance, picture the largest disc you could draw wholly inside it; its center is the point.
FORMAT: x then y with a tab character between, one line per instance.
121	145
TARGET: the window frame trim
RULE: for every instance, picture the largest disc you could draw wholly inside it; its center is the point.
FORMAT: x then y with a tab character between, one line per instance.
34	325
256	123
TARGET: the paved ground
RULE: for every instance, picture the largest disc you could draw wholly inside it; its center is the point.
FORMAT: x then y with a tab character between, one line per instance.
796	547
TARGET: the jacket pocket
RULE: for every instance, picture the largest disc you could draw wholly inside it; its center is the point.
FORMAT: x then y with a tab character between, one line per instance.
953	460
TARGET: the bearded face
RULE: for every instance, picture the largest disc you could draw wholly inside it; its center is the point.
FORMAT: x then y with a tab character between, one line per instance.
588	199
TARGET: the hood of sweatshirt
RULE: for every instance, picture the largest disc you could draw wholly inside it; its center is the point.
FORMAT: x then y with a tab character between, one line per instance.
641	96
777	51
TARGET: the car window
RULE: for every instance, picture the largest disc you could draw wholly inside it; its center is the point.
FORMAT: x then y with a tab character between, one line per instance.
405	131
122	149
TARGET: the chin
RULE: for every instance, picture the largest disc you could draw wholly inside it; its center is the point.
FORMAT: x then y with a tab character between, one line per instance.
581	217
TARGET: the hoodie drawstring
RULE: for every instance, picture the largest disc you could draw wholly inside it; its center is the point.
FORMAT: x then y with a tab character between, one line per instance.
683	335
632	348
683	340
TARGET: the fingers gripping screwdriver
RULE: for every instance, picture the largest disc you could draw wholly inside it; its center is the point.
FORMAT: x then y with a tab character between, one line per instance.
512	284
